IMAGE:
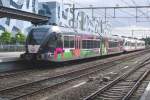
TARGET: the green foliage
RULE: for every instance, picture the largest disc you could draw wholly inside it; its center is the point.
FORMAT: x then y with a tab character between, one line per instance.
13	40
5	37
147	40
20	38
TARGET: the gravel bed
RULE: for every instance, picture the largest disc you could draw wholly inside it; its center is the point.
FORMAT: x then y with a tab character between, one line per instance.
44	73
78	93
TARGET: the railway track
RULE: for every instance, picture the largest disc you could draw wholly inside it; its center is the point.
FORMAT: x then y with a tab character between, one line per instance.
13	79
27	89
124	86
36	86
13	74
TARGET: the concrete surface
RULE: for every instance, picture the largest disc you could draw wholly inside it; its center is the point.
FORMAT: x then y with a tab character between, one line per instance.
9	56
146	94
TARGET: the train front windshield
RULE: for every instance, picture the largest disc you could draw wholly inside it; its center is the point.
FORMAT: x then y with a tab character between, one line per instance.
36	36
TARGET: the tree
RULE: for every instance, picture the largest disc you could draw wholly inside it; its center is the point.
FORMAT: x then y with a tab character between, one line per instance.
147	40
5	37
20	38
13	40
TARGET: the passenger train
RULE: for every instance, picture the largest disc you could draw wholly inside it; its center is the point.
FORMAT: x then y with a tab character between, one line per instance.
53	43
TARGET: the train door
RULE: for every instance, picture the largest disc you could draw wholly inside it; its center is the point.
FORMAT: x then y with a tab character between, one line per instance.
103	46
77	45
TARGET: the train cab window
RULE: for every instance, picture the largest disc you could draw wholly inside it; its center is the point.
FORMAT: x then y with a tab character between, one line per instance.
37	36
52	41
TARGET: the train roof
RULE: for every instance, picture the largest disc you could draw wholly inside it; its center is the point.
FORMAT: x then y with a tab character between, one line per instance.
64	30
131	38
74	31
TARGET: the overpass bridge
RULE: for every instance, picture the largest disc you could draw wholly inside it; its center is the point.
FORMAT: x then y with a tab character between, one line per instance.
22	15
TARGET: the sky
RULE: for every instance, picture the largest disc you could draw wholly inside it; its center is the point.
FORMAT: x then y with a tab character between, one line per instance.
118	23
121	12
105	2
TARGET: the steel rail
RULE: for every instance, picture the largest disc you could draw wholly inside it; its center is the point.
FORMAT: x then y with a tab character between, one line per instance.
101	90
128	95
17	97
60	83
5	75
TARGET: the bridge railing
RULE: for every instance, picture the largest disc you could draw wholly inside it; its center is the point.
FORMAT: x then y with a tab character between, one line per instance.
12	48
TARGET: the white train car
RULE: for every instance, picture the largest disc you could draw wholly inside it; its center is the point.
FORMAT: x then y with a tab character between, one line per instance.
128	44
131	44
140	44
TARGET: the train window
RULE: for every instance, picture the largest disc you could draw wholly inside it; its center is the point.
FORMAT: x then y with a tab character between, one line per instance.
68	41
91	43
129	44
88	44
71	41
84	44
94	44
113	44
132	44
138	44
126	44
98	44
121	43
143	44
59	41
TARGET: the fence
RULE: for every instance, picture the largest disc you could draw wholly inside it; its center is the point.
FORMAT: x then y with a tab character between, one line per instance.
12	48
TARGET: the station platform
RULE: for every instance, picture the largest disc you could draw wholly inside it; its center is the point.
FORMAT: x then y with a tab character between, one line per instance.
9	56
146	94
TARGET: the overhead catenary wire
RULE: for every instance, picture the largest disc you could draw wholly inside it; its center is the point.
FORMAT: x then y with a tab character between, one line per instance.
139	9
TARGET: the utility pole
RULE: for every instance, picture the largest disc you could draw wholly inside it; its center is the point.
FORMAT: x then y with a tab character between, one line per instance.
132	33
92	13
73	15
105	15
92	10
101	26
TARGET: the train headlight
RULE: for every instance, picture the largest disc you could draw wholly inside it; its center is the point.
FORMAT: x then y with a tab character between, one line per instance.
55	29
